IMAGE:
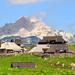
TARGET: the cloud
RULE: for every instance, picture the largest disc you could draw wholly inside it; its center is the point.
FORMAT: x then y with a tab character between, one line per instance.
3	17
16	2
41	13
20	2
72	27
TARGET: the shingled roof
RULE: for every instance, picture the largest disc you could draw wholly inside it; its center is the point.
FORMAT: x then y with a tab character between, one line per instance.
11	45
52	40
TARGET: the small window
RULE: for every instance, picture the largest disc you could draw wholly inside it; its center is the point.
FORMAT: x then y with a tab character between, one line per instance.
52	41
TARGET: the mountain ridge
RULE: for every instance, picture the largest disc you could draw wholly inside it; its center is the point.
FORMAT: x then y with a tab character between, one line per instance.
31	26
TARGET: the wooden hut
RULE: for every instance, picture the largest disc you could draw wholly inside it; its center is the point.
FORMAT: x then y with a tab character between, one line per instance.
52	40
0	43
11	47
55	43
38	49
2	50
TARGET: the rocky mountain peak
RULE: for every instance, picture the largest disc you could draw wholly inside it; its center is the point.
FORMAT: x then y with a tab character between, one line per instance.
22	19
30	26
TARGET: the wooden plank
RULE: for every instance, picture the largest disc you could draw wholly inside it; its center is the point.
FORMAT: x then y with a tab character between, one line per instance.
23	65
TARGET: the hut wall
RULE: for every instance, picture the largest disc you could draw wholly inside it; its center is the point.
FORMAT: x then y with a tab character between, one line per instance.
0	43
54	47
2	51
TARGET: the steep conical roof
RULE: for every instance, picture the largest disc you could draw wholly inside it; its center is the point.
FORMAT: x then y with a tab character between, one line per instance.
38	48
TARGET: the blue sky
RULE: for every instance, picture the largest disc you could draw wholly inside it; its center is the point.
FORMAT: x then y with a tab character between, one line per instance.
60	14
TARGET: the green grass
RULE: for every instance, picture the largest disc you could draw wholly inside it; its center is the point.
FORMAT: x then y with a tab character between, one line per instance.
71	47
44	67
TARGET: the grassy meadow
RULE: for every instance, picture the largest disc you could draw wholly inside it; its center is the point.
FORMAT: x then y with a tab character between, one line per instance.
71	47
43	66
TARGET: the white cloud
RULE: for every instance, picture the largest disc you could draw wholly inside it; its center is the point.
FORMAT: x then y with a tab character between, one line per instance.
15	2
72	27
41	13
